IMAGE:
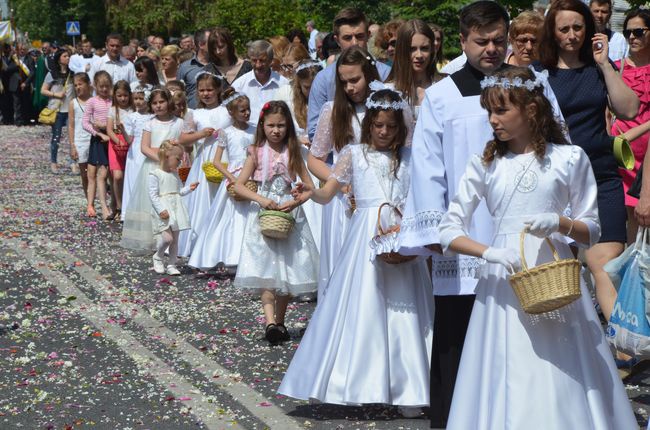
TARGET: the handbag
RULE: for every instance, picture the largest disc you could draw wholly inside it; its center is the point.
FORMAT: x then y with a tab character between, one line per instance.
122	148
47	116
629	330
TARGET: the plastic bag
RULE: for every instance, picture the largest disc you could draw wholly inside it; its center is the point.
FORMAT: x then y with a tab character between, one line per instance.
629	327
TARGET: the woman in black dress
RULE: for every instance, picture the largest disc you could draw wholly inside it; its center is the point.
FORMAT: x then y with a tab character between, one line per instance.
585	84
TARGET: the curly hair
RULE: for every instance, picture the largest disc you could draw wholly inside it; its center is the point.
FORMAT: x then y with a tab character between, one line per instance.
544	126
387	96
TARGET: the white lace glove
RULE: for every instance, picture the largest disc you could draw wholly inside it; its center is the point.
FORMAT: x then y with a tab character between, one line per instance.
543	225
504	256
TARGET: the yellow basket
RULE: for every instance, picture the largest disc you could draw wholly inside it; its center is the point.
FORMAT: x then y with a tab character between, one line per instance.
276	224
548	286
211	172
250	184
391	257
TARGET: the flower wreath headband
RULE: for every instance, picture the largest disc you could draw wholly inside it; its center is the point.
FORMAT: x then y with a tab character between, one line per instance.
506	83
232	98
145	89
308	65
149	92
382	104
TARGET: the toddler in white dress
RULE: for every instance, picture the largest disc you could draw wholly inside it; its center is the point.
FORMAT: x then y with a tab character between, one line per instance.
168	214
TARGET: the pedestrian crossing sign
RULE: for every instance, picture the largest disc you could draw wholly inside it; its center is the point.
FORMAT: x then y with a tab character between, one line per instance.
72	28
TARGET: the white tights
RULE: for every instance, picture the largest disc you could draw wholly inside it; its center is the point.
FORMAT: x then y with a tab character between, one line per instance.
167	239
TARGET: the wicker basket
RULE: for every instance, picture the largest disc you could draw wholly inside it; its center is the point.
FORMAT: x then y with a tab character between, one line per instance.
251	185
211	172
183	172
276	224
391	257
548	286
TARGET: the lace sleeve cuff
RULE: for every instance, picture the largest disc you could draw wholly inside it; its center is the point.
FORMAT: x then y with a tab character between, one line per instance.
419	231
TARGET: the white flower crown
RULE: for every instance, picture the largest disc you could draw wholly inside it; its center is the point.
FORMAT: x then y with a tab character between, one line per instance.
232	98
205	72
540	79
384	105
308	65
145	89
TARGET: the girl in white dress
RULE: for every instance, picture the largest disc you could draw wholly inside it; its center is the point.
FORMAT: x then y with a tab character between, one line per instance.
134	126
200	129
339	125
373	327
546	371
168	214
137	232
220	236
275	268
78	137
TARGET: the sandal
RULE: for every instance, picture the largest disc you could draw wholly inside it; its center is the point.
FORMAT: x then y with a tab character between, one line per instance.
284	332
273	334
118	215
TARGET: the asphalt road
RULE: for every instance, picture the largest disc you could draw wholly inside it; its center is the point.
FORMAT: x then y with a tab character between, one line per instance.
91	337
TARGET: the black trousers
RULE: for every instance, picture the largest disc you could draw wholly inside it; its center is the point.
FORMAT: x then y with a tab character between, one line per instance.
7	107
452	314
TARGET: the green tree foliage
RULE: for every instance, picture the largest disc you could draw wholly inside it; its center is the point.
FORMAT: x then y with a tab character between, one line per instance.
45	19
247	19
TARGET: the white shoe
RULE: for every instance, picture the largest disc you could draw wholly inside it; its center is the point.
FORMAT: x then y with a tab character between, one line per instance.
158	265
410	411
172	270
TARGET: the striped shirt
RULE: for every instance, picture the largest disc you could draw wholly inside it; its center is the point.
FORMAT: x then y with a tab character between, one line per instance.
96	111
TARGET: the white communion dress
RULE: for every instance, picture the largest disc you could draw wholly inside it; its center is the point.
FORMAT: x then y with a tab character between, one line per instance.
137	232
547	371
287	266
369	340
134	125
199	201
220	236
165	191
335	218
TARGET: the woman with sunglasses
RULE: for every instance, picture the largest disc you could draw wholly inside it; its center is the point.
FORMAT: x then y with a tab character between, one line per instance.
585	83
635	70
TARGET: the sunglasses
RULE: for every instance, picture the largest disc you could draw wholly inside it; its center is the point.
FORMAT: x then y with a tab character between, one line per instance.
637	32
392	43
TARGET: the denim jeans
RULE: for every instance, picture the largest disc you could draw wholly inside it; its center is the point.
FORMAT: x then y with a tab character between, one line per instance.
57	128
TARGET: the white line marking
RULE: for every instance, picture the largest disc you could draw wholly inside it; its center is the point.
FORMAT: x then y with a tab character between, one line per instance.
142	357
230	383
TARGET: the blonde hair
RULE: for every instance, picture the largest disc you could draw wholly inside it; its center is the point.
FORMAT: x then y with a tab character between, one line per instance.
170	50
165	148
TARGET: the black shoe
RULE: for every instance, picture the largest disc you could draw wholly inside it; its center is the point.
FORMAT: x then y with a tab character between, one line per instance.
285	333
273	334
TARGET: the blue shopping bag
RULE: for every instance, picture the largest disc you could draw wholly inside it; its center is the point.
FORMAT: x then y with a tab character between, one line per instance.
629	328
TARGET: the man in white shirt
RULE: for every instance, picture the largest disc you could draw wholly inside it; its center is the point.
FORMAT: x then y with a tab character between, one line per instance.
311	30
260	84
117	66
602	12
83	62
350	29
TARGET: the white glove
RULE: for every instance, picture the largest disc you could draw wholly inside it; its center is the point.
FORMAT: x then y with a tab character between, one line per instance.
543	225
504	256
